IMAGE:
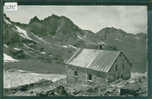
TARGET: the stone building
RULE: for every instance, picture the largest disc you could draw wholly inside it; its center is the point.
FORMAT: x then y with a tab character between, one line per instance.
91	65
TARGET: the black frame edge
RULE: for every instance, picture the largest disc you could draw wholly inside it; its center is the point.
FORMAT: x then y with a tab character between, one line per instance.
80	2
1	49
149	49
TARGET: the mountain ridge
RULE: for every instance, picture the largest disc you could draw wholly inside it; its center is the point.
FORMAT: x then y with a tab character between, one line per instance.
57	37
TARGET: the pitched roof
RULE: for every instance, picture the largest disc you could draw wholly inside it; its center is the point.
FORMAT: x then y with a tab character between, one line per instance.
99	60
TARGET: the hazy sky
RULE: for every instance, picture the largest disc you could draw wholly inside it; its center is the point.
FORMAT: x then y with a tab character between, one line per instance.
132	19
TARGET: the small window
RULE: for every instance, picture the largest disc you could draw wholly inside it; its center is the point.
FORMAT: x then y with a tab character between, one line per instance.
75	73
89	77
116	67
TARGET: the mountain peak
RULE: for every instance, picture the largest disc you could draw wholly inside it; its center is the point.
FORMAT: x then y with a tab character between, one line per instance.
52	17
111	30
34	19
57	18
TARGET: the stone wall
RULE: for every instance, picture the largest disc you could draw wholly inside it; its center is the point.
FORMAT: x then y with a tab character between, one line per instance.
71	78
98	78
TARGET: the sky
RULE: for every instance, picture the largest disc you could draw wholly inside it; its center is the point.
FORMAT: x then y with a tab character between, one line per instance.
132	19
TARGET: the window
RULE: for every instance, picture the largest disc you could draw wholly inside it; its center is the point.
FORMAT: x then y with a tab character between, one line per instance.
89	77
116	67
75	73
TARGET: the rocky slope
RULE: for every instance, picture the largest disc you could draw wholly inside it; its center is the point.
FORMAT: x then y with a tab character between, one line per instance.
54	39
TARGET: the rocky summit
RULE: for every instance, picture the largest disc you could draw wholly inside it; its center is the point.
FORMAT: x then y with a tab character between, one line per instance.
51	41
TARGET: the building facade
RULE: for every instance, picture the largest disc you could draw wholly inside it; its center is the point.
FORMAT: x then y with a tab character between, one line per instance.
90	66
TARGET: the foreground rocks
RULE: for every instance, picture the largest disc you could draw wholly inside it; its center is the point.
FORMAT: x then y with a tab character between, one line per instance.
133	87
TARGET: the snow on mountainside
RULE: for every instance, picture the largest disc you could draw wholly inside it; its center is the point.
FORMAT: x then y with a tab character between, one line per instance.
23	33
20	77
8	58
58	37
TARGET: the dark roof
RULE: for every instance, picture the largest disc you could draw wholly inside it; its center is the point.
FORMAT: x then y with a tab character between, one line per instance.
99	60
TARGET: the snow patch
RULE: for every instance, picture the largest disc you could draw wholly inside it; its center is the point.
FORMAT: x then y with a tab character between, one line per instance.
136	75
5	45
101	43
80	37
21	71
69	46
43	52
21	77
28	47
72	46
131	81
17	49
23	33
65	46
39	38
8	58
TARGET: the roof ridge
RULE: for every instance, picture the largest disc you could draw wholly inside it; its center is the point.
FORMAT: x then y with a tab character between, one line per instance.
103	50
